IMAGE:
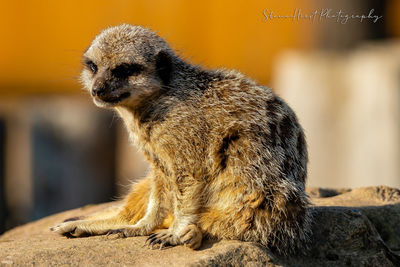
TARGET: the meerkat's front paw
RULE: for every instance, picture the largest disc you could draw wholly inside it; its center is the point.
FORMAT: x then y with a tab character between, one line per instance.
190	236
70	229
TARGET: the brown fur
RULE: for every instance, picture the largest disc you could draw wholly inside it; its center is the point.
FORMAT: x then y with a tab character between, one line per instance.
228	156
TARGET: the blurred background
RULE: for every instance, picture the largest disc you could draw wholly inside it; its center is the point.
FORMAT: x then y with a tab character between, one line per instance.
58	151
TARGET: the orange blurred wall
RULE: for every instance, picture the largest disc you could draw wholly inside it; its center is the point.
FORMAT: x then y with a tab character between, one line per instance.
42	41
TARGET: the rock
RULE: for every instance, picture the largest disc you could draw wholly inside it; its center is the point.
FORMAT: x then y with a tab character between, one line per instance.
356	227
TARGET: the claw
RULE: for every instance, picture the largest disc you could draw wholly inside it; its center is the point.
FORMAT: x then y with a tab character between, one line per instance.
186	242
161	238
163	243
183	234
149	238
155	241
152	235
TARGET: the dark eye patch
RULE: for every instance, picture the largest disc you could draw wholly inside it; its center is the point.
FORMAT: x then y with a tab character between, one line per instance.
125	70
91	65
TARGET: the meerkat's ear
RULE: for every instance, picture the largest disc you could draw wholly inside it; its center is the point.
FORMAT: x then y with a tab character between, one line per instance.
164	66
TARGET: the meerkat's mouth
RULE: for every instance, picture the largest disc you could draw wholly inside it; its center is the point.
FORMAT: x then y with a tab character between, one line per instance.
115	99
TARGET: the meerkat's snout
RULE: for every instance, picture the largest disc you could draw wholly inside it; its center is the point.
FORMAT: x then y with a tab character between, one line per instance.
110	89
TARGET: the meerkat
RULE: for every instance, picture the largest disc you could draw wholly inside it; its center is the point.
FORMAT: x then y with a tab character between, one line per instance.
228	156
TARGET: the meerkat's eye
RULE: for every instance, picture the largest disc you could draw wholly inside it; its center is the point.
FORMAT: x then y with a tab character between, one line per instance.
125	70
92	67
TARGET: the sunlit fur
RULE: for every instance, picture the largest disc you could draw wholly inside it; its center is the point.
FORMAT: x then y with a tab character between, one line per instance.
228	156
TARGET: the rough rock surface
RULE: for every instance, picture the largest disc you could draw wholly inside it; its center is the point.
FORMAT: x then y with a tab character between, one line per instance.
359	227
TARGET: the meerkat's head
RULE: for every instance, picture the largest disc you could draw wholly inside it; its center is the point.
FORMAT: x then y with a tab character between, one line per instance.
124	64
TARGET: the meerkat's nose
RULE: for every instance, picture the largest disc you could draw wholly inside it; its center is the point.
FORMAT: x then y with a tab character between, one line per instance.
98	91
